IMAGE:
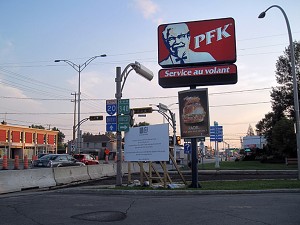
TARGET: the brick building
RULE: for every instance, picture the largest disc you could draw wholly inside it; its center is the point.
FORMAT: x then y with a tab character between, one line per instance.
21	141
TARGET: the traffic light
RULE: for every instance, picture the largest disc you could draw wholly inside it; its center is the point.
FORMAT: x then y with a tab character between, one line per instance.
96	118
131	123
171	140
142	110
178	140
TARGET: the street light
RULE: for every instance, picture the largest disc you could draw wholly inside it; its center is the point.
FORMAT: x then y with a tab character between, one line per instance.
79	69
162	109
295	85
144	72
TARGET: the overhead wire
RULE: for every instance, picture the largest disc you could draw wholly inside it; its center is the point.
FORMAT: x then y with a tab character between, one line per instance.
33	89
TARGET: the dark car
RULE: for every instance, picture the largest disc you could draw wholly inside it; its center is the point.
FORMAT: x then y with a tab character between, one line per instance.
87	159
41	155
56	160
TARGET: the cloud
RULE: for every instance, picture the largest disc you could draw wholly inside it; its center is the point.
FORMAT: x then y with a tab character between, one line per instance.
6	47
147	7
11	100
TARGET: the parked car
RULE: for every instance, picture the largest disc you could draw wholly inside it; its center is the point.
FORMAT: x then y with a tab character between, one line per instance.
56	160
87	159
41	155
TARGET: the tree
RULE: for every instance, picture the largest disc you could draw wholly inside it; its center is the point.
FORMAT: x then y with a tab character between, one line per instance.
265	126
250	131
61	136
284	139
60	139
87	134
111	135
282	96
282	100
37	127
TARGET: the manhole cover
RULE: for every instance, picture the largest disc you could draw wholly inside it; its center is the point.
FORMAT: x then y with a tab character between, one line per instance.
101	216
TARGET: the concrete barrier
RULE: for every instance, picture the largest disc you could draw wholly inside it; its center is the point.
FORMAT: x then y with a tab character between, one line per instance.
109	169
95	171
66	175
17	180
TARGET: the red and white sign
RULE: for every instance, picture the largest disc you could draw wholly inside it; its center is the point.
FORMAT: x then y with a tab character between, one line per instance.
197	43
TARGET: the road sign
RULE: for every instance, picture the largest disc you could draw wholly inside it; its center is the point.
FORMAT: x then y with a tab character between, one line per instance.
92	118
187	148
111	119
124	106
216	133
111	106
142	110
123	127
111	127
125	119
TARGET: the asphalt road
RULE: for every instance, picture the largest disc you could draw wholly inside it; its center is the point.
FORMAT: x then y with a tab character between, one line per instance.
86	206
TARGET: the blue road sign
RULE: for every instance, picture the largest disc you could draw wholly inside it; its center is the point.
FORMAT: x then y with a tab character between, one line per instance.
216	138
111	127
216	133
187	148
111	119
111	106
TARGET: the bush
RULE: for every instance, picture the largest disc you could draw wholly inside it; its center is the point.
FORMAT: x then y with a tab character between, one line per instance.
249	158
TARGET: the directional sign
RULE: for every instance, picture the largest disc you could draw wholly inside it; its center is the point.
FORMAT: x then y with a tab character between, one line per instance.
125	119
216	133
111	127
111	119
111	106
123	127
124	106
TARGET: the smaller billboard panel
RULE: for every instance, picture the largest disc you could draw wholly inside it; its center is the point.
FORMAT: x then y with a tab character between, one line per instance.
202	42
194	113
197	76
147	143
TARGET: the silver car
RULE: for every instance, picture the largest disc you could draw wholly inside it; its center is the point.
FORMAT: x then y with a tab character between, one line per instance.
56	160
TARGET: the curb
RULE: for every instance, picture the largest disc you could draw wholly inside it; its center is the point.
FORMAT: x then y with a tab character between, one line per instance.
170	192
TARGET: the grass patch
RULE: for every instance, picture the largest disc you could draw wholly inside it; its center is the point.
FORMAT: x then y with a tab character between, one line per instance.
245	165
250	185
231	185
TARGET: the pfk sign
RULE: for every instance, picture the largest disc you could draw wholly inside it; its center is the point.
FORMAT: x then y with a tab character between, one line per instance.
195	43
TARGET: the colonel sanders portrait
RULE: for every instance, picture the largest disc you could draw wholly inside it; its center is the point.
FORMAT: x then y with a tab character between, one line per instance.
177	40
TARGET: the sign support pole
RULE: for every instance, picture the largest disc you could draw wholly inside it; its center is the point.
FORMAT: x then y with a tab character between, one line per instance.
119	134
195	183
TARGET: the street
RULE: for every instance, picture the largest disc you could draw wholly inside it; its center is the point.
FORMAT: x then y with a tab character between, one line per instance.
88	206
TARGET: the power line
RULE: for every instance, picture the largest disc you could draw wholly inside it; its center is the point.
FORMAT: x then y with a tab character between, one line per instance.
135	98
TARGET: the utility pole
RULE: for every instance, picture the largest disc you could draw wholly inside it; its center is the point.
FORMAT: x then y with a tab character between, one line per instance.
74	123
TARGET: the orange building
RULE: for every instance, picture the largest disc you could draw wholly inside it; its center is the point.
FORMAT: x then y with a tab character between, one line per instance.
21	141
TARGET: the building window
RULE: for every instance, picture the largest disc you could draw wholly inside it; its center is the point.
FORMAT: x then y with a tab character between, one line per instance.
104	144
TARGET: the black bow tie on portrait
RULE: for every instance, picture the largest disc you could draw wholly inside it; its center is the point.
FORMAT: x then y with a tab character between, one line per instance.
181	59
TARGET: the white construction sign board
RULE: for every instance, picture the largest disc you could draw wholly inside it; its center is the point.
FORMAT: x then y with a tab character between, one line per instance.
147	143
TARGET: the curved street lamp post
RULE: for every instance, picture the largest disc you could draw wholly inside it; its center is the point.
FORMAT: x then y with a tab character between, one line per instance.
79	69
144	72
163	109
295	84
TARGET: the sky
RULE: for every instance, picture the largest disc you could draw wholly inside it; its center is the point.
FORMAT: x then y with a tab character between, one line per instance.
36	90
